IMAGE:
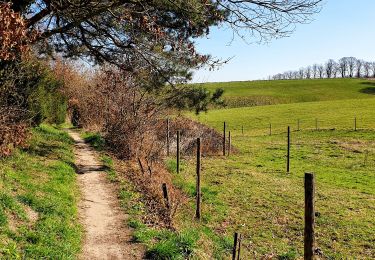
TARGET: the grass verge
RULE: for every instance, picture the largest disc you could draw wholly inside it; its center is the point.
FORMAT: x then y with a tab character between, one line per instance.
38	199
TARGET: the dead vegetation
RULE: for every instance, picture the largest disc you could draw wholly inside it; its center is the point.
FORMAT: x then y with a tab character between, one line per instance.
160	213
13	130
134	125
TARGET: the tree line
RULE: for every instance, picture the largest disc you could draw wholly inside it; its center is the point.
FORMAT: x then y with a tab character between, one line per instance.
346	67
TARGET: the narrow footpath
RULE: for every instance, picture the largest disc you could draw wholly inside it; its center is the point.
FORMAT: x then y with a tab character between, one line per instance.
106	233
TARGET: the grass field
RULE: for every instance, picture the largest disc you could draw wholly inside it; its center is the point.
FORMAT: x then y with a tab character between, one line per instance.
251	192
336	114
38	195
253	93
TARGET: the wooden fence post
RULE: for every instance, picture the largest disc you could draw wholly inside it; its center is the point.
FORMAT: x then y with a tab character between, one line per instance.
229	143
141	166
355	124
242	130
309	239
224	139
168	137
234	252
288	153
198	183
178	152
165	195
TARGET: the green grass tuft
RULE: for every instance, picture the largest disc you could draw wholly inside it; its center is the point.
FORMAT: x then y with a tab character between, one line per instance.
94	139
290	255
173	245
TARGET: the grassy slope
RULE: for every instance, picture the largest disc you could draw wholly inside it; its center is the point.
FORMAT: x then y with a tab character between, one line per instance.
251	192
330	114
38	195
250	93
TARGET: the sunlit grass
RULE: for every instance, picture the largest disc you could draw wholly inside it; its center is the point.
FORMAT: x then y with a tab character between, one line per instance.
38	199
251	192
254	93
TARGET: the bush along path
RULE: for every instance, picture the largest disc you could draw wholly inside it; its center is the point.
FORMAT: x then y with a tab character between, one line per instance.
106	233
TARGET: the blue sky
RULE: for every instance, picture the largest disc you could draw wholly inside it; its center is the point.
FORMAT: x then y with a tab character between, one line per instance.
342	28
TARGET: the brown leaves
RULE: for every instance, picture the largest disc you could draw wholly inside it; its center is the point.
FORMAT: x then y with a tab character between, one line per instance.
13	133
14	37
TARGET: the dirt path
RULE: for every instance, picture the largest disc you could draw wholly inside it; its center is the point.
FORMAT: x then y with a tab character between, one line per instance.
106	234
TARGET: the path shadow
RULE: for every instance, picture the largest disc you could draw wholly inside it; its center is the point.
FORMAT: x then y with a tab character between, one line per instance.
90	168
368	90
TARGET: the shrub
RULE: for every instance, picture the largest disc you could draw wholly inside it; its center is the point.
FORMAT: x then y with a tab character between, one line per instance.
29	95
30	85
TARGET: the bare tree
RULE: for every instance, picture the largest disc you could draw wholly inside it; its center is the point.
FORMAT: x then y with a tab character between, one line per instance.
351	61
372	64
335	70
295	75
289	74
315	70
330	65
308	72
358	66
276	77
343	66
367	69
301	73
321	71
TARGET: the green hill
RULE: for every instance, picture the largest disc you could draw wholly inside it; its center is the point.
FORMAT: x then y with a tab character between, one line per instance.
254	93
338	114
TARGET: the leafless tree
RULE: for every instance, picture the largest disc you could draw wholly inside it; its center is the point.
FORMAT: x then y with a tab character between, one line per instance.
343	66
358	66
367	69
372	64
335	70
308	72
289	74
351	65
321	71
301	73
315	70
276	77
329	68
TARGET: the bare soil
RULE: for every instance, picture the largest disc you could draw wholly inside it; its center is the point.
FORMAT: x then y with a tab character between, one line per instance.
106	233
